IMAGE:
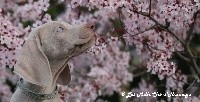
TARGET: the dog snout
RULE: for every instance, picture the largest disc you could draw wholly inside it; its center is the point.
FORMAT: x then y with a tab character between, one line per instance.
90	26
89	31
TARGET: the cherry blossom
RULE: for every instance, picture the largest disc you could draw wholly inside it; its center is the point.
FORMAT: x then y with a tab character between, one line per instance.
157	34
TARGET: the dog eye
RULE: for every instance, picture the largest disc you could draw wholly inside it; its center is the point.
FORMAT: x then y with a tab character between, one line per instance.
59	29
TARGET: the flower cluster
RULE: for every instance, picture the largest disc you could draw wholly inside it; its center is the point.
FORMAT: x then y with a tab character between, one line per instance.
104	75
10	42
154	29
143	87
12	36
32	10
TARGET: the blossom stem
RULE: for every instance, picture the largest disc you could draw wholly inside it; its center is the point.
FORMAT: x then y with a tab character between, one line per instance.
188	51
149	7
182	57
185	45
163	27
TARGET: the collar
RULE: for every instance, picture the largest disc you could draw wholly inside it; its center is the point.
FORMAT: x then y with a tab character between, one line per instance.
37	96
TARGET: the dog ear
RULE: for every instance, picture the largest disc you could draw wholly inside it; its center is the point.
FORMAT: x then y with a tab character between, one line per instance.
32	64
65	76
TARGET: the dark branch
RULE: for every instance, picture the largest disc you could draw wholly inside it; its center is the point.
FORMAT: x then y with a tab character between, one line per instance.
196	57
119	13
152	27
185	45
190	31
182	57
163	27
188	51
150	8
153	47
42	15
139	74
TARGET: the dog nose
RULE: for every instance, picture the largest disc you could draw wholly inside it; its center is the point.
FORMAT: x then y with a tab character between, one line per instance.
90	26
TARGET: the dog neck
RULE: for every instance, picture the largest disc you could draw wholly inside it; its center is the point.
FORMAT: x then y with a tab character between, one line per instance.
44	92
56	67
35	91
38	89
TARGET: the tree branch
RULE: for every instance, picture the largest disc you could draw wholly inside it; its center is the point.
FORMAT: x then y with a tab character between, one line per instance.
182	57
149	7
196	57
119	13
185	45
42	15
188	51
163	27
190	31
152	27
153	47
193	61
139	74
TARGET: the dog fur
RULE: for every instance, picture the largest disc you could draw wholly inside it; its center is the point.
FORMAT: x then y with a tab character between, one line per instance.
42	62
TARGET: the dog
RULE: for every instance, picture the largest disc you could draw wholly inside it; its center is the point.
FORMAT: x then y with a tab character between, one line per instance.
42	63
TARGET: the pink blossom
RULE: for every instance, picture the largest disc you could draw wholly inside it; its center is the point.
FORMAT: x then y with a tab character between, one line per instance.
107	66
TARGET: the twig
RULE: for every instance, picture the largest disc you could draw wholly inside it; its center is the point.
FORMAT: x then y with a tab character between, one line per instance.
149	7
152	27
163	27
182	57
185	45
4	45
194	64
194	81
189	35
119	13
154	47
191	85
190	31
149	47
196	57
42	15
188	51
139	74
194	73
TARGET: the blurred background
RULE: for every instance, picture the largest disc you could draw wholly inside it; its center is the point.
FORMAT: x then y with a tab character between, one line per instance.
142	46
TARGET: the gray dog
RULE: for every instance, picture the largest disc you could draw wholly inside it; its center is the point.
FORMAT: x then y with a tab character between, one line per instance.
42	62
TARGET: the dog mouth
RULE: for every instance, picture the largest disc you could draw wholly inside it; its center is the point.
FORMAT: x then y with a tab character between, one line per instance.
80	45
84	46
80	48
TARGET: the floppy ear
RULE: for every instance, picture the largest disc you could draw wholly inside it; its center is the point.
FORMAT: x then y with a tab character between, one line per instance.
65	77
32	64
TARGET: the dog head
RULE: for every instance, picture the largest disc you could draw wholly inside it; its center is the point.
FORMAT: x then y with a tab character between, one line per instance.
52	41
61	40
